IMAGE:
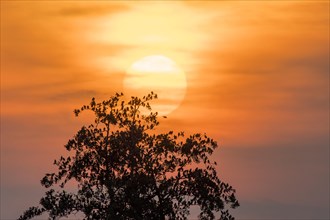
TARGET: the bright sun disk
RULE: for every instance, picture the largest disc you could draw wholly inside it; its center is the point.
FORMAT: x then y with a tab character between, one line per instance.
161	75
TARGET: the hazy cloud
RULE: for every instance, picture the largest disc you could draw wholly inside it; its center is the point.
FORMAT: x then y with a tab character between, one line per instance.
83	9
257	75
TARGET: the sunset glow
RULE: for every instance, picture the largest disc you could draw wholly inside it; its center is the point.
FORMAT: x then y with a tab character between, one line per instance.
253	75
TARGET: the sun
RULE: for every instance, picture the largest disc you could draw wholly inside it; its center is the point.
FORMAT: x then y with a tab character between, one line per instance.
161	75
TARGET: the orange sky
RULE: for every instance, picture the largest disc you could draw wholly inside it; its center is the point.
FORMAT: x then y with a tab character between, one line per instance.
257	81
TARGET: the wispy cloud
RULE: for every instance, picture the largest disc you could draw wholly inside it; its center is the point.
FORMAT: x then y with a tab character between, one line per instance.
84	9
257	75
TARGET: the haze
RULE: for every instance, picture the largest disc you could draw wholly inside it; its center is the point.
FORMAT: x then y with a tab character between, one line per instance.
257	81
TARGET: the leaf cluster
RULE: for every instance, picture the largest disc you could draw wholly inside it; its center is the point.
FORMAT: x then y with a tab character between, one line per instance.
126	171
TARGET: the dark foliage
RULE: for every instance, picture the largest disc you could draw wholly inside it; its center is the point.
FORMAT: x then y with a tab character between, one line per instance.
125	171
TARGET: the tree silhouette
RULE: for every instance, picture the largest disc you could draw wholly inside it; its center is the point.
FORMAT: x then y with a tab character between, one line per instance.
126	171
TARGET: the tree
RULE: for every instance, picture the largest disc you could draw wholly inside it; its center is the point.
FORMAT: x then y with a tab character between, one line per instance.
126	171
